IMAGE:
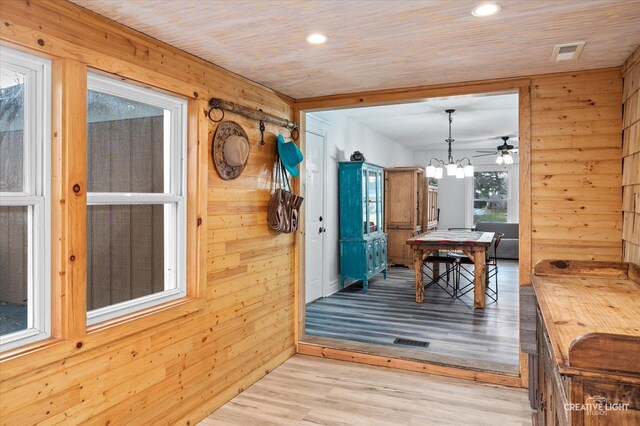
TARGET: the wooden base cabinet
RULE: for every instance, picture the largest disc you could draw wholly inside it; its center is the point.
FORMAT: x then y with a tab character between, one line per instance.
588	343
399	252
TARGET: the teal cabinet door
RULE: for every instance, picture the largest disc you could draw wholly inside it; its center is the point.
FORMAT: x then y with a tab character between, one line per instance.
370	259
383	253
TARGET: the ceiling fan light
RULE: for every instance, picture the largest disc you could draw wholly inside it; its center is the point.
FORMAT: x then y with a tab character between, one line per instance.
451	169
431	171
460	173
508	159
468	170
439	173
499	159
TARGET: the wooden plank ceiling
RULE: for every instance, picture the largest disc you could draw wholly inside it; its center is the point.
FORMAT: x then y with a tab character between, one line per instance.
383	44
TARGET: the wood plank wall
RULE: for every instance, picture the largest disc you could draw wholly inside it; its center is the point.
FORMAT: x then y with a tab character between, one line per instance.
181	370
631	160
576	167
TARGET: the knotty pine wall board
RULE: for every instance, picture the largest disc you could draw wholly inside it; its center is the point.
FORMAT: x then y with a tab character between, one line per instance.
576	168
631	159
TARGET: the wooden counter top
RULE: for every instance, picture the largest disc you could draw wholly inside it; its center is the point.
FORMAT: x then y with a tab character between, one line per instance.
591	311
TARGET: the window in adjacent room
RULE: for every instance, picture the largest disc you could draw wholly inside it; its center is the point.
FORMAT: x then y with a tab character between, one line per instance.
25	111
136	213
491	196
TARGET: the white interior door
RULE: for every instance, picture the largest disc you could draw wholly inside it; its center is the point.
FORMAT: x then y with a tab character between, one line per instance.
314	226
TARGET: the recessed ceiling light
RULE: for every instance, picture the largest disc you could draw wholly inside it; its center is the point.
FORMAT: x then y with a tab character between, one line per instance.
316	38
486	9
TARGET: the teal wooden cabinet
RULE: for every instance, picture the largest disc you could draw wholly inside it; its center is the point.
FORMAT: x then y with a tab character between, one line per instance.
363	244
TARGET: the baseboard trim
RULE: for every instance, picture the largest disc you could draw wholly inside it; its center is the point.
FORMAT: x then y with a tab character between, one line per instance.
333	287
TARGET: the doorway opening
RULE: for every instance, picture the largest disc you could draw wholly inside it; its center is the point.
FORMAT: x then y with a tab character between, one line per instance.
401	140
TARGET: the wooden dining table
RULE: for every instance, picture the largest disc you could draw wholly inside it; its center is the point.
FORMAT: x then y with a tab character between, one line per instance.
473	244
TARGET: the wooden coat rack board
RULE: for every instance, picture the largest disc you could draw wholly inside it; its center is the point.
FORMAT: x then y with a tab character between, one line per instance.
262	117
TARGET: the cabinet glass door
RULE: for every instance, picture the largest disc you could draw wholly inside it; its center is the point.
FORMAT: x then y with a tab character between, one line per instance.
365	212
372	205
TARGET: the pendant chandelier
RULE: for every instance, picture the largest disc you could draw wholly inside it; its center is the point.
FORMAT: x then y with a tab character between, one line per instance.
455	168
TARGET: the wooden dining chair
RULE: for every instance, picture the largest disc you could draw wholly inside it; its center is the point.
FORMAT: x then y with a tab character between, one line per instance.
463	270
428	263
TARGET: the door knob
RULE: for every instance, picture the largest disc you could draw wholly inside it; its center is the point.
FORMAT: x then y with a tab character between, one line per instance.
321	230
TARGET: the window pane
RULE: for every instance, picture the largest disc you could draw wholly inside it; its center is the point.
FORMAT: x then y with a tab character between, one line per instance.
489	211
491	185
11	130
373	201
13	269
125	253
124	145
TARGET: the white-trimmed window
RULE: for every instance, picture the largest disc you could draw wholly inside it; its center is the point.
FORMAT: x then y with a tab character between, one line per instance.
492	195
136	213
25	158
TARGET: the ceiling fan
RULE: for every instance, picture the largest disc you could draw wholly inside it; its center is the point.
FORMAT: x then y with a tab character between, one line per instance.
504	153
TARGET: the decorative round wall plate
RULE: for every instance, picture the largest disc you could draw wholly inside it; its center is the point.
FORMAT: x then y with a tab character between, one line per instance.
220	138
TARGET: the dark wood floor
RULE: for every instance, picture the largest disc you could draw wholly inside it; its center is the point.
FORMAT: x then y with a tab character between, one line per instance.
457	333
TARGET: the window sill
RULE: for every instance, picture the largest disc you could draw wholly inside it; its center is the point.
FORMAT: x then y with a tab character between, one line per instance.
147	318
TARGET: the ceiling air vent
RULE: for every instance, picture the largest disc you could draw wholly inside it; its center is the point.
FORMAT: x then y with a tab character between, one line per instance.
567	52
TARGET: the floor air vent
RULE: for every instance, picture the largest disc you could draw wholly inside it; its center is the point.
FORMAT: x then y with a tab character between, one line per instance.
409	342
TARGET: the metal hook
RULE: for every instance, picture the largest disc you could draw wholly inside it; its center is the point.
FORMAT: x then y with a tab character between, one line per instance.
211	110
295	133
262	128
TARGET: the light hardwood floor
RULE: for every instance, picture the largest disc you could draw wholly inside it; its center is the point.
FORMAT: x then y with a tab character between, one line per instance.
316	391
458	334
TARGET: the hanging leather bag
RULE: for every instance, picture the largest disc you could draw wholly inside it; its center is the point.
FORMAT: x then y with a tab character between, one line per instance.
284	206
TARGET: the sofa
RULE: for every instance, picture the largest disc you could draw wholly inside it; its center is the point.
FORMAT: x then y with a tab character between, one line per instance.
508	247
